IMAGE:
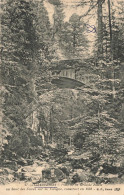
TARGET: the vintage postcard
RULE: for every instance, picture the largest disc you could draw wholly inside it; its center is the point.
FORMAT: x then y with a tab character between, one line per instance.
62	97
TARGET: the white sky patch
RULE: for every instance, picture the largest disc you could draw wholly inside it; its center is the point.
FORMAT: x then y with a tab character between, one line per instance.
50	9
69	8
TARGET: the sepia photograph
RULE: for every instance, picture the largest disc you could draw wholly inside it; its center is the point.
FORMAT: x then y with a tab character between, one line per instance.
62	94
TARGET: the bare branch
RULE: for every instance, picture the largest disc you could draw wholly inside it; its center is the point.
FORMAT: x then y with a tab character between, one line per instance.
88	11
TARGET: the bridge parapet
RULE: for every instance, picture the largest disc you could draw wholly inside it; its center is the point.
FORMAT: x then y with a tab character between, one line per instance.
69	73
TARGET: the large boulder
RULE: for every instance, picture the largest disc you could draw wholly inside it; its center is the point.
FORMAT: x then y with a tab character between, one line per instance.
26	176
53	173
38	162
46	174
26	169
6	179
6	176
106	168
25	173
22	162
66	165
29	161
1	172
77	163
8	171
80	175
59	175
36	179
2	180
65	170
10	178
11	165
76	178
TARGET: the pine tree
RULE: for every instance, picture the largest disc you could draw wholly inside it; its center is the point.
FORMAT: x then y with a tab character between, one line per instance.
58	18
73	38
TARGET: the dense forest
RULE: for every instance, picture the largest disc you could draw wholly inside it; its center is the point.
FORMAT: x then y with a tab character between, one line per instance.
62	91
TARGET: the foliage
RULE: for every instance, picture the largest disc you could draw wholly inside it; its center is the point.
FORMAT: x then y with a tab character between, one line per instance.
72	37
88	118
19	41
79	139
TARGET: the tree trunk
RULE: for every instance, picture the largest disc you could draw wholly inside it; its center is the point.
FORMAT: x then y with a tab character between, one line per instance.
100	29
51	126
98	116
74	38
111	51
70	141
122	103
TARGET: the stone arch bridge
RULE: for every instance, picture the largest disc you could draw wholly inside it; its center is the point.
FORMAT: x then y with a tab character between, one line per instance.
64	74
68	73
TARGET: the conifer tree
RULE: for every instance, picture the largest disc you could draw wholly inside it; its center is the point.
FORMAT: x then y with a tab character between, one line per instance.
18	65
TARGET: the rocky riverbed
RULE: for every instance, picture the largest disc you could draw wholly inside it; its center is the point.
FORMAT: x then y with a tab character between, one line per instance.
69	168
